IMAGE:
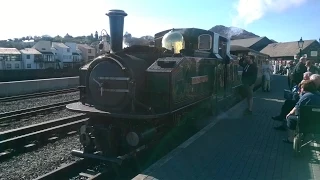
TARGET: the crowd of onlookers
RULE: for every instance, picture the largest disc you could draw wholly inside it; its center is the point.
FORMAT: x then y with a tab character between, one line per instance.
304	85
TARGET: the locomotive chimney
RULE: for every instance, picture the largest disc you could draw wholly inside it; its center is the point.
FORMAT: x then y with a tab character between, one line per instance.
116	20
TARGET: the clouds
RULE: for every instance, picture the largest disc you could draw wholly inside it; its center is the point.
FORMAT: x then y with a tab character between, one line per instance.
249	11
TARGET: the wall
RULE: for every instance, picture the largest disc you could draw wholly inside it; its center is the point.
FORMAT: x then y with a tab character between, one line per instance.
33	86
85	54
13	65
18	75
315	46
26	61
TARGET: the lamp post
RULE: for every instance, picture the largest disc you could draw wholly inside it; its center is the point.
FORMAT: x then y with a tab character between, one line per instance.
300	44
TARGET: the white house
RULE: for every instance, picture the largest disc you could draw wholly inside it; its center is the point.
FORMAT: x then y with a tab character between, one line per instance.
48	54
31	58
10	59
76	53
64	53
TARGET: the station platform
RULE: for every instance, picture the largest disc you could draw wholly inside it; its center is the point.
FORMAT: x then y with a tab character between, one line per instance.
237	146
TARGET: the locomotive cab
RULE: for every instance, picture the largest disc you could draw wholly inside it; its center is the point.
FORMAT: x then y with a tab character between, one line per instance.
194	42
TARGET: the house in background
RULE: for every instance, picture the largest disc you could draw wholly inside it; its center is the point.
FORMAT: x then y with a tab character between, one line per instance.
88	53
64	54
290	50
31	58
257	43
48	54
76	54
10	59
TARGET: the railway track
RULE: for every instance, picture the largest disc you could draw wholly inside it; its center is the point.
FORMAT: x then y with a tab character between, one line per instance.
34	95
4	117
92	169
28	138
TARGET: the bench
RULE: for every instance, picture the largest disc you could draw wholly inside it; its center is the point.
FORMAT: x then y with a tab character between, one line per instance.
308	123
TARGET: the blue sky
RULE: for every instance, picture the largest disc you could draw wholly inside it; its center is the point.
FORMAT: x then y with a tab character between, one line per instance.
282	20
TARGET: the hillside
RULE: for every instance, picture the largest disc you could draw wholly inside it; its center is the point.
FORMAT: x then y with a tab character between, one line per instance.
232	32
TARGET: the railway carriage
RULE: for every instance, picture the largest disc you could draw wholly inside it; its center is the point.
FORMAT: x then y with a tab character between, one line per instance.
134	95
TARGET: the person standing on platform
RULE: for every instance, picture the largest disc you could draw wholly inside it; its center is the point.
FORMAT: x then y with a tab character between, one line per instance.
249	77
290	71
267	72
311	68
299	69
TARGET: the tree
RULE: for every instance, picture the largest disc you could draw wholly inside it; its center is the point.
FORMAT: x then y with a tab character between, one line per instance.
68	36
96	35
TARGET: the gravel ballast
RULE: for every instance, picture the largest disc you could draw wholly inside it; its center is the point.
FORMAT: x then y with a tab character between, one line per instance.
39	118
34	102
39	162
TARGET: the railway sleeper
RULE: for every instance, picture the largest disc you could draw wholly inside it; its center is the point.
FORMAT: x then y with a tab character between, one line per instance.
28	144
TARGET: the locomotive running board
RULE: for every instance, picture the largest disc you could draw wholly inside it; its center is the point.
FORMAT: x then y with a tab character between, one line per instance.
118	160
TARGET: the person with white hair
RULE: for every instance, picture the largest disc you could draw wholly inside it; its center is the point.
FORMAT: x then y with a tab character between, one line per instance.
316	79
307	75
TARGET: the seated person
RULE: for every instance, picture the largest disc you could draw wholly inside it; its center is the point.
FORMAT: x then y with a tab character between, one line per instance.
316	79
306	75
289	104
310	97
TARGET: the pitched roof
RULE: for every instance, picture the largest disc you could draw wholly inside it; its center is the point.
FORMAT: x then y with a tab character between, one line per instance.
246	42
60	45
29	51
85	46
284	49
9	51
240	48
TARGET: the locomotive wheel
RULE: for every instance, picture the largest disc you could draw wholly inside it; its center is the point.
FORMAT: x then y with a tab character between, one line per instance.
86	140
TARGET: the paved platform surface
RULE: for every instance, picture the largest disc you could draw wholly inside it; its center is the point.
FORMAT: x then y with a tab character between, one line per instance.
234	146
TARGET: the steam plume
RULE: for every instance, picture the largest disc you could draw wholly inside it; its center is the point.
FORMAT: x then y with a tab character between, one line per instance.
233	31
128	40
249	11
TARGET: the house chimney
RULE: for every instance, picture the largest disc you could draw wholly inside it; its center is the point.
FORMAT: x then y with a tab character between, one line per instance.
116	20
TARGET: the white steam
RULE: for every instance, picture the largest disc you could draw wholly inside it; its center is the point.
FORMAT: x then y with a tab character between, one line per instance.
233	31
249	11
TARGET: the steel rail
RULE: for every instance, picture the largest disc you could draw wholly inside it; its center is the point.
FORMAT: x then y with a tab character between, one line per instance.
29	111
25	142
40	126
35	95
83	168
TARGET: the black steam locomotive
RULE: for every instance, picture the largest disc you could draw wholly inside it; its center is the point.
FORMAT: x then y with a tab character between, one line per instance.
134	94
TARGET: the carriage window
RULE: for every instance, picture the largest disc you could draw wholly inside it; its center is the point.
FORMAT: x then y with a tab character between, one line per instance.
204	42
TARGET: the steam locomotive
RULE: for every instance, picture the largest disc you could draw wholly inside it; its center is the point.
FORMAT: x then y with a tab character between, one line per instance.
135	94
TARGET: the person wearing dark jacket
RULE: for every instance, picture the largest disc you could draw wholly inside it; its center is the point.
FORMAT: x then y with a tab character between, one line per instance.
290	69
249	77
299	69
312	68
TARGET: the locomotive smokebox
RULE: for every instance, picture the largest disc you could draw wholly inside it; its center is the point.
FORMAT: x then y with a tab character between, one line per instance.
116	20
